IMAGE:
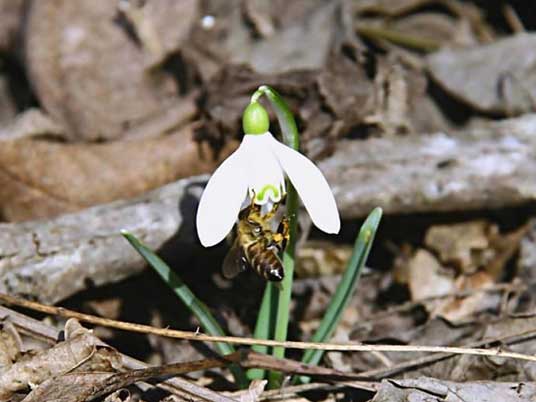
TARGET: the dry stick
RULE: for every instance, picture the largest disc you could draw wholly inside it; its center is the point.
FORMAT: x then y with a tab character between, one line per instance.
121	380
193	336
251	359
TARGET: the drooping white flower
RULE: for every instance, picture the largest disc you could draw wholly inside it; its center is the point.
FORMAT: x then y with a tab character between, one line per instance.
258	169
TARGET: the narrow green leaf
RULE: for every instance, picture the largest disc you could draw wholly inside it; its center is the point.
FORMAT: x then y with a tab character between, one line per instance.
197	307
346	287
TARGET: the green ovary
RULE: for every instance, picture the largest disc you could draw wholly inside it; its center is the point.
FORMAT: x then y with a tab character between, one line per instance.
255	119
269	187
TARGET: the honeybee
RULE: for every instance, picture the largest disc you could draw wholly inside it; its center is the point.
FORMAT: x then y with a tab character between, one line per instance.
256	246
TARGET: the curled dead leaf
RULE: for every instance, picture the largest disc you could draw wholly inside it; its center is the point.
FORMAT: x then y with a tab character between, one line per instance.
81	352
456	309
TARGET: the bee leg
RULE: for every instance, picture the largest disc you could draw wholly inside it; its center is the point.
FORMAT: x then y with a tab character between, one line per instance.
283	228
281	237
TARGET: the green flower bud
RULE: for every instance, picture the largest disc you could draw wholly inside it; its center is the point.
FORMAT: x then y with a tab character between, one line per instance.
255	119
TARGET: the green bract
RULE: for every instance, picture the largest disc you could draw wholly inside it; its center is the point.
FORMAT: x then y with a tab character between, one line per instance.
255	119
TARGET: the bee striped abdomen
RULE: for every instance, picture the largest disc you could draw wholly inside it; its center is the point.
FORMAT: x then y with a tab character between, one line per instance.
265	262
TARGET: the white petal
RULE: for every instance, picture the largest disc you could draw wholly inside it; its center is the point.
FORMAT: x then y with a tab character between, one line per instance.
221	201
265	176
312	187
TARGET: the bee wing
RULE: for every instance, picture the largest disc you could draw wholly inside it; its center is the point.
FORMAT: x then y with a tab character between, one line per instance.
235	262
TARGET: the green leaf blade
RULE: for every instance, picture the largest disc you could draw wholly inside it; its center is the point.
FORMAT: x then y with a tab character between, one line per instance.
206	320
346	287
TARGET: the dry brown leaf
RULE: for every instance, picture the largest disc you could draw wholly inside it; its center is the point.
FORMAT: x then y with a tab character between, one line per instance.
430	389
30	123
90	385
470	246
505	83
457	309
346	90
89	74
302	42
464	245
157	26
67	388
41	178
480	253
10	346
79	352
427	278
319	258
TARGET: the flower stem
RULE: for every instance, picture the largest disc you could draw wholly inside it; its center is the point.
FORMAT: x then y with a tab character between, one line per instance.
283	302
291	139
284	115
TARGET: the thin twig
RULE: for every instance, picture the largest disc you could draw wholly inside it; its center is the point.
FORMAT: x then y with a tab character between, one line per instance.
347	347
400	367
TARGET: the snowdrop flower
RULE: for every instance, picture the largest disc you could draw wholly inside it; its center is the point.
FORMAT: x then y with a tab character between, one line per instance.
258	169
